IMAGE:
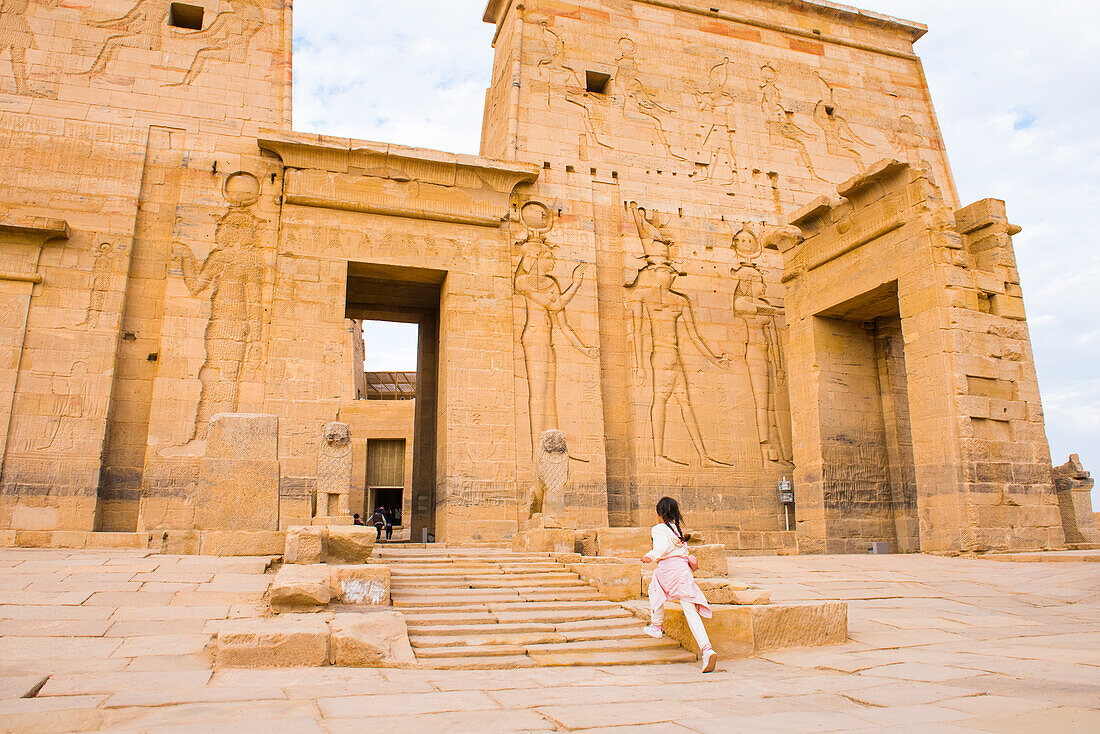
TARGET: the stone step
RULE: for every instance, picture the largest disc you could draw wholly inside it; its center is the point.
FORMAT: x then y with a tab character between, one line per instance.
503	662
610	626
459	569
494	596
483	583
547	648
593	607
548	617
628	657
405	579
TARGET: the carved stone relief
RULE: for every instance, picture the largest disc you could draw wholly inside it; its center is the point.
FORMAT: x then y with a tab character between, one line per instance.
16	37
233	273
66	412
840	139
334	471
782	129
718	106
545	302
657	312
764	360
101	285
547	496
140	28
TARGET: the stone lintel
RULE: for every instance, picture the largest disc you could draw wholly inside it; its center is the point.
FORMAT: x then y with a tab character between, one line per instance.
879	172
41	228
982	214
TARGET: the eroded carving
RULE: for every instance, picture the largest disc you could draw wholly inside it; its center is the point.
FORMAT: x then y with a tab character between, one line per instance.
334	471
71	395
782	129
840	139
140	28
17	38
763	358
719	106
226	38
547	497
233	272
101	285
545	303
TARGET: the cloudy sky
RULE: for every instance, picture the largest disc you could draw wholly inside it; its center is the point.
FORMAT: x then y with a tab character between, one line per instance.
1014	86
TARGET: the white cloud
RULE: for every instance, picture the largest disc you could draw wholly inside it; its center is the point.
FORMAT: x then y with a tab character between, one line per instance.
1012	83
389	346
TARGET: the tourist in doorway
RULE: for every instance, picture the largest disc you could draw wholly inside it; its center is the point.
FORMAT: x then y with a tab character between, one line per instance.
378	520
356	520
388	516
673	580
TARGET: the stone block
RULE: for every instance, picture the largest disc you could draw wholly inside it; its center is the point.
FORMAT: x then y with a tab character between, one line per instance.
115	540
238	486
712	559
304	544
618	581
34	538
374	639
242	543
27	517
732	591
544	540
300	588
351	544
273	642
73	539
730	629
805	625
365	585
7	538
626	543
176	542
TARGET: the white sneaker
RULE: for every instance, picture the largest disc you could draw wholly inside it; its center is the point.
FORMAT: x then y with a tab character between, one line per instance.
710	661
654	631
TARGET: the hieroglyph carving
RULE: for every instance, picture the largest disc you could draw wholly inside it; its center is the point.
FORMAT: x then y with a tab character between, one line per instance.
782	130
101	284
334	471
17	38
547	497
234	274
764	358
840	139
140	28
657	311
545	302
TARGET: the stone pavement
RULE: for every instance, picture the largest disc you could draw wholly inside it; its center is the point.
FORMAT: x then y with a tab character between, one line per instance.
116	641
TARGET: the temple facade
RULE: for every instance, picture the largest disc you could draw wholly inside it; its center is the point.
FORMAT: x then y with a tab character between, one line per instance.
712	248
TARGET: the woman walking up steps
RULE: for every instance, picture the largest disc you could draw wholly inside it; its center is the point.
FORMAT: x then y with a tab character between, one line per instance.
673	580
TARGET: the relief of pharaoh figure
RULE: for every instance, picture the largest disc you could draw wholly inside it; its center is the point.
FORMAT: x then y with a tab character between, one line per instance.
657	312
782	129
140	28
764	358
17	38
234	274
226	38
545	301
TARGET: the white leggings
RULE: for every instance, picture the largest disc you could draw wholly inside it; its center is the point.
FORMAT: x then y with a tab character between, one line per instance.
691	614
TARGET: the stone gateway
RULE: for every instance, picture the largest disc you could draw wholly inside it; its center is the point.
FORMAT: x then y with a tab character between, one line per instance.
707	246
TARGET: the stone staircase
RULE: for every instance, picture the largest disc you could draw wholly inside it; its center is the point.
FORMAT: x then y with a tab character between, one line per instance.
488	608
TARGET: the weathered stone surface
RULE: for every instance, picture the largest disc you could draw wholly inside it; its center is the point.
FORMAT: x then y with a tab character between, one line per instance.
239	481
242	543
732	591
300	587
730	630
1074	486
372	639
364	585
617	580
544	540
273	642
349	544
712	559
334	474
805	625
626	543
304	544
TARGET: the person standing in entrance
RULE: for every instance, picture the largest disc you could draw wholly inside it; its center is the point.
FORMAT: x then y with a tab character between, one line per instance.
388	517
378	520
673	580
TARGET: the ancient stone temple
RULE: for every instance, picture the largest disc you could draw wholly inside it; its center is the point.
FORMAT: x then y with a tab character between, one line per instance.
708	247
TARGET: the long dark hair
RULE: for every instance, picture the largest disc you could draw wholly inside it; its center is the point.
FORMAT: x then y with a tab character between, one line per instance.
668	510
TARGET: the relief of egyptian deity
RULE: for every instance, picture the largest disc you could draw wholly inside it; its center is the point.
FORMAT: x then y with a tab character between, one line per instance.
545	319
142	27
555	60
657	312
718	106
783	132
764	359
65	414
334	471
16	37
233	273
840	139
101	285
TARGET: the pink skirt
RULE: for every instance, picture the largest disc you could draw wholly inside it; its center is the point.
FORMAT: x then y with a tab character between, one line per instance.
672	581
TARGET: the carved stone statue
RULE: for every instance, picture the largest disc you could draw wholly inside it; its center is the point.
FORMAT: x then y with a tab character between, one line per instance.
547	498
334	472
1074	486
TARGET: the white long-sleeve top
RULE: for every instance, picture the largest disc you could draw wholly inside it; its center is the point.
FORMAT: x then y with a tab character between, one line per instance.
665	543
